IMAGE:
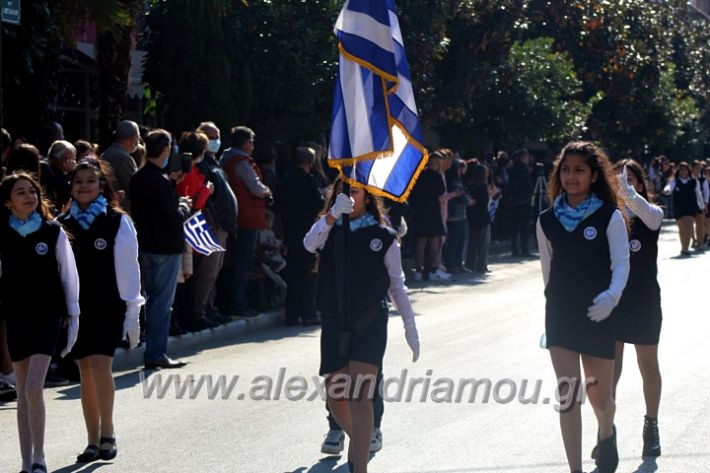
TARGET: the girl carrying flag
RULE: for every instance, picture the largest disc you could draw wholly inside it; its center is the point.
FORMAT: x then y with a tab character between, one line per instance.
375	272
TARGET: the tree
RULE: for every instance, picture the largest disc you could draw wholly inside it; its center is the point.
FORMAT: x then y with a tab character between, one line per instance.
544	95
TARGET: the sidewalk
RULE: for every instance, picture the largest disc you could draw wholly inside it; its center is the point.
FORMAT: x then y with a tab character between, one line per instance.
132	359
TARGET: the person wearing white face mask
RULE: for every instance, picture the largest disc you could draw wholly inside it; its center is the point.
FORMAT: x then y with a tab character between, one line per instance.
118	155
223	208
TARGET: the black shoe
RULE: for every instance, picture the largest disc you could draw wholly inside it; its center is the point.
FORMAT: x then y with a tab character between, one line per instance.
91	453
6	387
164	363
246	314
52	380
651	440
607	456
108	453
218	318
40	467
199	324
313	321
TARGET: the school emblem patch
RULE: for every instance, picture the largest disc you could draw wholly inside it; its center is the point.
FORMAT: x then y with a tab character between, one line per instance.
41	248
590	233
100	244
376	244
635	246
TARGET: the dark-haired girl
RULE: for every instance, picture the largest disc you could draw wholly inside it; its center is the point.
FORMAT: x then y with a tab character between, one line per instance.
106	250
375	272
687	201
35	260
584	251
639	310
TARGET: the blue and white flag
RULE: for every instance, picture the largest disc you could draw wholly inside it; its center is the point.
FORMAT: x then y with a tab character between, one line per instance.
199	236
375	139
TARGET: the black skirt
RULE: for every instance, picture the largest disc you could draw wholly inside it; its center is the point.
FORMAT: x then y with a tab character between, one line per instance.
368	347
27	336
639	329
99	333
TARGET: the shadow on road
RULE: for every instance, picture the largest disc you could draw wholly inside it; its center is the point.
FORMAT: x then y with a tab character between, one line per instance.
124	381
324	465
81	467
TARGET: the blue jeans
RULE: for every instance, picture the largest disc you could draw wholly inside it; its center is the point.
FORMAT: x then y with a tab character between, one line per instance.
243	260
454	245
160	273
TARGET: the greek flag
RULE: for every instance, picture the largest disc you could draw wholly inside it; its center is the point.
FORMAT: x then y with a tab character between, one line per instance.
375	139
199	236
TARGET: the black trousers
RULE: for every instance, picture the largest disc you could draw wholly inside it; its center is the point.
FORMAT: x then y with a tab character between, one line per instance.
301	280
520	216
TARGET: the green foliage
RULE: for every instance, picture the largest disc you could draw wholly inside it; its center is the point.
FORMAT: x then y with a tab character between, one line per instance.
268	64
544	92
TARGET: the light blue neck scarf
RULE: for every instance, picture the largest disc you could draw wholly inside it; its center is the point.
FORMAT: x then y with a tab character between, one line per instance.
365	221
571	217
87	217
25	227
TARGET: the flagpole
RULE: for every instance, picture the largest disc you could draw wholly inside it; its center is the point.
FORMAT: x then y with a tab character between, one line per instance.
347	325
347	316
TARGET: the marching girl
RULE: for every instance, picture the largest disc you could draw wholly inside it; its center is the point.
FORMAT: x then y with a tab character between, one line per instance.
36	259
375	272
106	250
687	202
584	251
638	315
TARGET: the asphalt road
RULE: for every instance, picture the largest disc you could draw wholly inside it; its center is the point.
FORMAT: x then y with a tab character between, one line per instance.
471	329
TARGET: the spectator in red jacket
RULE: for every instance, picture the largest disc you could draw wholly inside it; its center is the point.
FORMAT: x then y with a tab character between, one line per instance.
245	179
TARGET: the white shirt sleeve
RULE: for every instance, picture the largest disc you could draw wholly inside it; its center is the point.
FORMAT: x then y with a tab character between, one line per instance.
128	273
545	249
706	192
651	215
68	273
397	290
699	195
618	238
670	187
317	236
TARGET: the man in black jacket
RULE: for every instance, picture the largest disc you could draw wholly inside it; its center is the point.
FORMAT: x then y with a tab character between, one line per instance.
159	215
300	200
520	188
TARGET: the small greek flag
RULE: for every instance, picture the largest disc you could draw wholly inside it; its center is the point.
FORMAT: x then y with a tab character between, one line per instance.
375	139
199	236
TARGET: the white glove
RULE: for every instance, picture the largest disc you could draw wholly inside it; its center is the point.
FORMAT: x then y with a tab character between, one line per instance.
412	336
601	307
132	329
72	334
626	190
343	205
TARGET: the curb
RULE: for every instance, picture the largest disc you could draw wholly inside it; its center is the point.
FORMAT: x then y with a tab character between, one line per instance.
130	359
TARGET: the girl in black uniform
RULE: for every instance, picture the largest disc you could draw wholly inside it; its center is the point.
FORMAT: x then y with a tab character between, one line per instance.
584	251
639	310
39	288
106	250
375	272
686	204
